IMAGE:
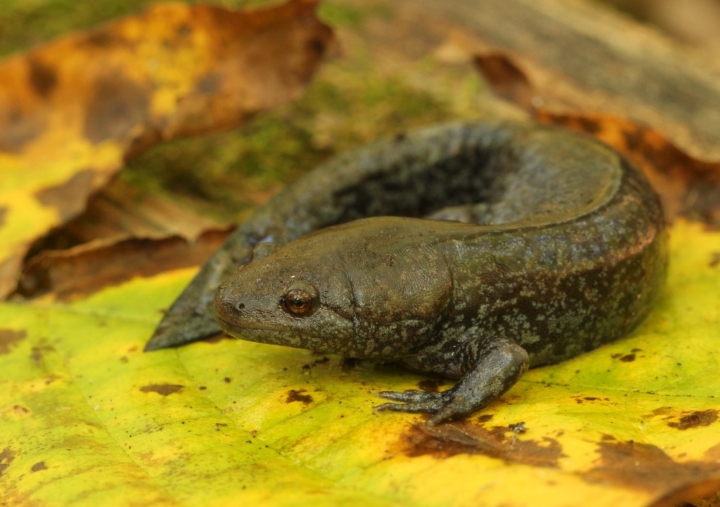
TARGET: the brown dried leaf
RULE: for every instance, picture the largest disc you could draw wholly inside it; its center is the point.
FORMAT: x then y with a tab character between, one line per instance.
87	268
118	212
73	110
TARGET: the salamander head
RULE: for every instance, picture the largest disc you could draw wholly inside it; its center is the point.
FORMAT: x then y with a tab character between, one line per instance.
357	289
288	298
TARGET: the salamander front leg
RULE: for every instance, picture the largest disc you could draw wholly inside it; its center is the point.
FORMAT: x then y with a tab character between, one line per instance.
497	367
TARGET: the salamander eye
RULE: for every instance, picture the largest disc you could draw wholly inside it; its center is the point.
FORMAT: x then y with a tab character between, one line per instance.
299	301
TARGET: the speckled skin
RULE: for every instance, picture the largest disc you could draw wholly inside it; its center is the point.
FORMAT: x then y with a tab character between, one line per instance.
569	253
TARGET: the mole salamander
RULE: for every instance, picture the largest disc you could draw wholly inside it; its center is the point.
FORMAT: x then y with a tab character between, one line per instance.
541	244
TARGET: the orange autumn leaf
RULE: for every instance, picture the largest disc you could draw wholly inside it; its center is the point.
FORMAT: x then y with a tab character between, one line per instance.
72	111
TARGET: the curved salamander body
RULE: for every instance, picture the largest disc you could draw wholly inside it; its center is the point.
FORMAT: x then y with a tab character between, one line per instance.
556	246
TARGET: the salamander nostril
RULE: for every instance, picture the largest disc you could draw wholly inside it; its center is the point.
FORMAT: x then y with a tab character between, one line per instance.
241	306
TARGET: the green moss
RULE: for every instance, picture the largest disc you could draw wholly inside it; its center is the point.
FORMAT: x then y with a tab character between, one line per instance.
27	23
346	16
227	174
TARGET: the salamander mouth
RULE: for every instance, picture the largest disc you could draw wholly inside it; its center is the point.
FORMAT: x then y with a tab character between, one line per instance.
238	331
259	334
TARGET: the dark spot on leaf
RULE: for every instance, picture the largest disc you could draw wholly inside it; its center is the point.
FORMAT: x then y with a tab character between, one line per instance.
607	437
208	84
714	259
646	467
36	353
100	39
484	418
227	380
42	77
39	466
9	338
6	458
124	359
297	395
184	30
448	440
317	46
17	128
69	198
3	214
20	411
661	411
115	109
430	385
349	363
625	358
316	362
695	419
162	389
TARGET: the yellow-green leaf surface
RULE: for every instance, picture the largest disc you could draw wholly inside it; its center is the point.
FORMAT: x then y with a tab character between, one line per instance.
87	418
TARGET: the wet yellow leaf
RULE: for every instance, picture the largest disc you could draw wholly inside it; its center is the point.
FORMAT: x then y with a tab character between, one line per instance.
86	416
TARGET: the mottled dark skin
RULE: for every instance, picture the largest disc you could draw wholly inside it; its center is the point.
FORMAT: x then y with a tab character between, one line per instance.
565	251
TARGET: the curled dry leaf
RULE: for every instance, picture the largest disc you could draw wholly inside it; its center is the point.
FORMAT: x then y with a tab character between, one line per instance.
84	269
110	242
688	187
73	110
